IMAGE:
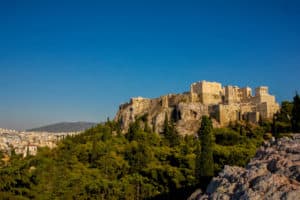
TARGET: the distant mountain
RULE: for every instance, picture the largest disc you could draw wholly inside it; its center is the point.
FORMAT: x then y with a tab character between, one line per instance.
64	127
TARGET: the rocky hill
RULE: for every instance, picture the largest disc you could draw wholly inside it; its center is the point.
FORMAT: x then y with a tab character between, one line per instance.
223	104
64	127
274	173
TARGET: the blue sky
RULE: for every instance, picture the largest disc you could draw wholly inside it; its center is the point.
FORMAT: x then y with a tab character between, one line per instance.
78	60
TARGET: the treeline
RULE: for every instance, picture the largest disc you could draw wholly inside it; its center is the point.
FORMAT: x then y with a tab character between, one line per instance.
102	163
287	120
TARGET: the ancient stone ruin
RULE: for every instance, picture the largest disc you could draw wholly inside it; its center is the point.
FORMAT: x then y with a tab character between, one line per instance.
223	104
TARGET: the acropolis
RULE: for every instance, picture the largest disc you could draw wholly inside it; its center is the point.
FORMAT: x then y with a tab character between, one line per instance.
224	104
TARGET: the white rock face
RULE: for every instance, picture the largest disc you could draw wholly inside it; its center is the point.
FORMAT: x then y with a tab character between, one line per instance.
274	173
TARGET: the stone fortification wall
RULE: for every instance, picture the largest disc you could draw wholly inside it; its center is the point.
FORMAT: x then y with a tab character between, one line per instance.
228	113
234	94
136	107
207	92
224	104
245	93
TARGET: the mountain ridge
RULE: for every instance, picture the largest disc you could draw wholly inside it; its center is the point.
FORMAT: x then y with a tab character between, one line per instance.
64	127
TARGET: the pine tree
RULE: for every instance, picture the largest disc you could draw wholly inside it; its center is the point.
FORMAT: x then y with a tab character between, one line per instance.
296	114
134	130
170	133
274	126
94	153
198	163
205	161
285	113
166	124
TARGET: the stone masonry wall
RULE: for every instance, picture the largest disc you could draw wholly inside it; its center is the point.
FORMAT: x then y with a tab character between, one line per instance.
224	104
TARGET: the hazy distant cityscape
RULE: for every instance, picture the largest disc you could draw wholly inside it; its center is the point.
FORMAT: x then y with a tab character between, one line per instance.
26	142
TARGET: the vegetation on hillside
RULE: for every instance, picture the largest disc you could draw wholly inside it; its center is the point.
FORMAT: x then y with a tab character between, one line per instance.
287	120
102	163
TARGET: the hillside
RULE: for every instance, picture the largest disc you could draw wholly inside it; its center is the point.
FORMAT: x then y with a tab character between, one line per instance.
110	162
101	163
64	127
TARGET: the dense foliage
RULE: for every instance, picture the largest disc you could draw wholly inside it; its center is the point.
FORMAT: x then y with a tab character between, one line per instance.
296	114
287	120
102	163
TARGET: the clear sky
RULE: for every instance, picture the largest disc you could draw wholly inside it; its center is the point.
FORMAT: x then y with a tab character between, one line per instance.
78	60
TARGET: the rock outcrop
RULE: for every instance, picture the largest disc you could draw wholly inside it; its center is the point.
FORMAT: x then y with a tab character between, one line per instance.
223	104
274	173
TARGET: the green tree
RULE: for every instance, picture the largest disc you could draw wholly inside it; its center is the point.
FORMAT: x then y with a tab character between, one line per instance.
170	133
285	113
274	126
138	155
205	161
166	124
282	118
198	162
134	130
94	153
296	114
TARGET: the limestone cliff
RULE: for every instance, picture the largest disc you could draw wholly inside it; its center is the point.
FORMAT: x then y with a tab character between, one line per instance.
274	173
223	104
